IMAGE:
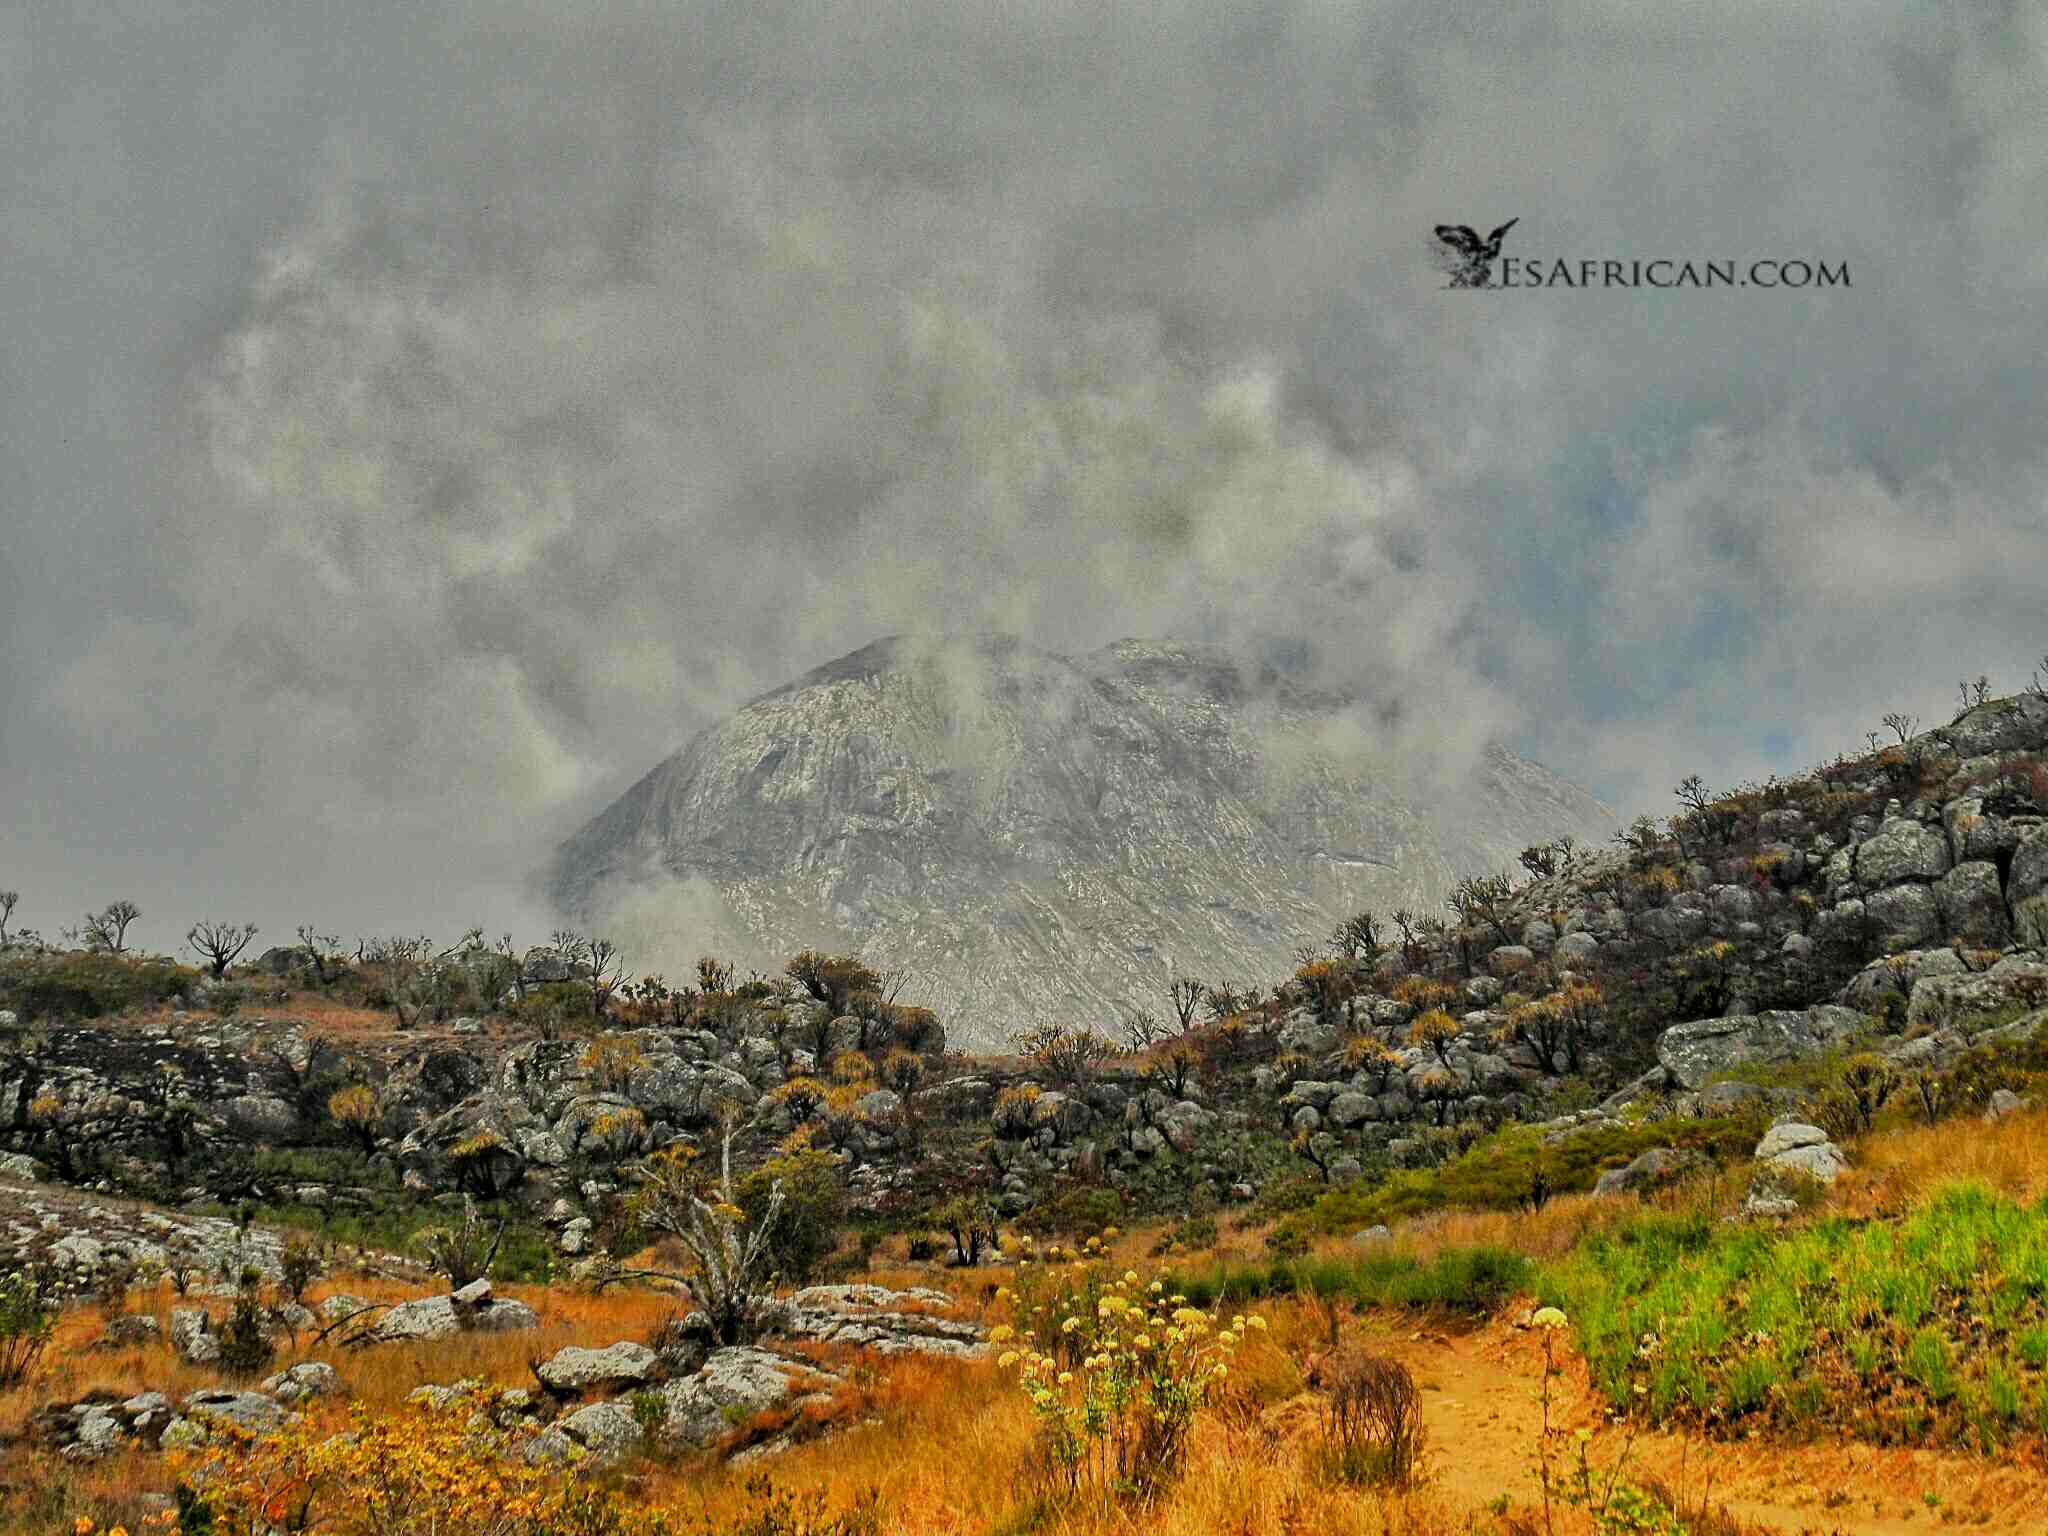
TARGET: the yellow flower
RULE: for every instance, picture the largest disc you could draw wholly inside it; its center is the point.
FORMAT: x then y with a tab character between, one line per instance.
1187	1315
1548	1317
1110	1232
81	1526
1065	1377
1158	1285
1001	1332
1009	1358
1256	1322
1130	1277
1222	1371
1142	1341
1070	1325
1003	1294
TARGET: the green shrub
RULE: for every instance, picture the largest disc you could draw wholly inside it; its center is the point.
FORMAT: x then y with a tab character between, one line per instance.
245	1347
1514	1166
82	984
1473	1280
1080	1211
26	1321
807	1230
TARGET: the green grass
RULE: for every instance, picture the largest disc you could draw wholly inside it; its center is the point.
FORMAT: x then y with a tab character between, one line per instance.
1473	1280
1933	1324
1506	1168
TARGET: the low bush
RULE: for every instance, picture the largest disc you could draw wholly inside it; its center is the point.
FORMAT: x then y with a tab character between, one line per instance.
1472	1280
807	1227
1372	1430
81	984
1116	1378
1516	1166
26	1322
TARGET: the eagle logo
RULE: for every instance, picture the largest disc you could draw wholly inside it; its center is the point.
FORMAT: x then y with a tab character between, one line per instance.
1469	259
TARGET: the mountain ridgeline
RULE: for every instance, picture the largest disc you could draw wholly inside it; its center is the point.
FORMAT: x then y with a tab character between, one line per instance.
1026	837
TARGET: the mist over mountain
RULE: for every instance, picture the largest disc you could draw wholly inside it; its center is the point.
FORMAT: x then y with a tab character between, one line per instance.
1027	836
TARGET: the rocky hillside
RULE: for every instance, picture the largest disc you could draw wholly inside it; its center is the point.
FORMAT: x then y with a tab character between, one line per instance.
1024	836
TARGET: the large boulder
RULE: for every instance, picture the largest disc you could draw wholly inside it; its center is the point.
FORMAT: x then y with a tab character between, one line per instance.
2027	889
1907	916
262	1118
1885	984
874	1318
192	1336
249	1411
1659	1165
2016	724
1962	1004
572	1371
1902	849
312	1378
1695	1052
1972	905
1802	1148
473	1309
600	1431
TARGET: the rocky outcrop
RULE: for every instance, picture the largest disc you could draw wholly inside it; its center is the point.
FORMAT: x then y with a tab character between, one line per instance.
473	1309
1695	1052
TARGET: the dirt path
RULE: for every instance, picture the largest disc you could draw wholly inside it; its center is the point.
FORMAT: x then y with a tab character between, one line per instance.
1483	1407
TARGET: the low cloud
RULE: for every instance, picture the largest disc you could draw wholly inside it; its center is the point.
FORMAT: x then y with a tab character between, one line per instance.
632	362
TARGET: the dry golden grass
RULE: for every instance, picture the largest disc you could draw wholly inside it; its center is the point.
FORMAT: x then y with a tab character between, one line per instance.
1896	1167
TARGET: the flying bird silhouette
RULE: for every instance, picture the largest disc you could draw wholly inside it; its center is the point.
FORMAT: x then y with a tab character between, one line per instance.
1472	267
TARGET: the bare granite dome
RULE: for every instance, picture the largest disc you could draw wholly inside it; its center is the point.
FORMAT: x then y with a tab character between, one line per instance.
1033	837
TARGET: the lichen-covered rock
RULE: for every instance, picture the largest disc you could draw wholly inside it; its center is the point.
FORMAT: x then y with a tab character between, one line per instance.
1693	1052
311	1378
473	1309
2027	889
576	1370
1906	916
1972	905
192	1336
600	1431
1659	1165
733	1386
1961	1003
251	1411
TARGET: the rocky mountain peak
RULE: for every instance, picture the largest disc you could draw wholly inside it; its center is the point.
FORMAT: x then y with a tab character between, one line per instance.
1025	835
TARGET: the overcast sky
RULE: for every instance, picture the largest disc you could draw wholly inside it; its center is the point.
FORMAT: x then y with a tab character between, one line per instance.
421	417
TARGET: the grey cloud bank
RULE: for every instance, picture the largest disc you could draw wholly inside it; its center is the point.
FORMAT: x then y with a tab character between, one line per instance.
421	419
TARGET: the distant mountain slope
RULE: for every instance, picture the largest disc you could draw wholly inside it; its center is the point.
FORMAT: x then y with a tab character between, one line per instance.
1034	837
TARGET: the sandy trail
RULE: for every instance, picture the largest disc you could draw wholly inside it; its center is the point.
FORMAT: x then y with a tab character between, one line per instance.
1482	1395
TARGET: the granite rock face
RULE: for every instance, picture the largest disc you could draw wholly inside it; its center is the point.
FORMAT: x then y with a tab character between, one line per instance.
1029	833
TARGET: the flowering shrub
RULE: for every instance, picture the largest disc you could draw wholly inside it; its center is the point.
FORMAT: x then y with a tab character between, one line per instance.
422	1469
1116	1370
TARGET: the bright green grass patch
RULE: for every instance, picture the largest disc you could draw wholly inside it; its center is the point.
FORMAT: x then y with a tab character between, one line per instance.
1934	1324
1474	1280
1514	1166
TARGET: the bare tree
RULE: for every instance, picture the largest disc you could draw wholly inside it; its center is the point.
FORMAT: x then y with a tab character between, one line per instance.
219	944
1187	994
1483	899
7	904
400	959
728	1250
1901	725
323	950
1358	937
108	930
